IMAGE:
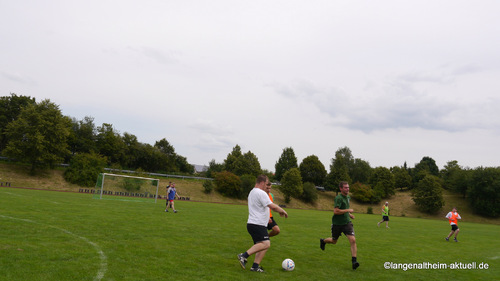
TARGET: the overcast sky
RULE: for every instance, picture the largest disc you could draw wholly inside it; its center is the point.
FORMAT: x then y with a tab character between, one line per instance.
392	80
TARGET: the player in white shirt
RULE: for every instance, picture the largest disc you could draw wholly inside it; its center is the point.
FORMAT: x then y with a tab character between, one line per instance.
258	218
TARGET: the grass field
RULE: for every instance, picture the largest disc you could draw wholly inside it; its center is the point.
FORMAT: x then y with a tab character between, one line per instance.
47	235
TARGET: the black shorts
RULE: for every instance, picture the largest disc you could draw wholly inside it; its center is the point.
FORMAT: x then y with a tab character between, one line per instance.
258	233
337	230
385	218
454	227
271	224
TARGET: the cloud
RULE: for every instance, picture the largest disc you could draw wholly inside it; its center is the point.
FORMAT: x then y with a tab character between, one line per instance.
157	55
471	68
408	100
211	137
18	78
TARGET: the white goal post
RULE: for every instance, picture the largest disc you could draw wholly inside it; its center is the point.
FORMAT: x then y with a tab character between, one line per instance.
128	186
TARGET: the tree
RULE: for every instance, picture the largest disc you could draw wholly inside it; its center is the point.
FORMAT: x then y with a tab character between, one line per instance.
183	165
109	143
428	194
213	168
241	164
291	184
360	171
233	160
84	169
428	164
461	181
484	191
172	162
312	170
286	162
251	165
132	151
169	155
402	178
82	138
165	147
455	178
339	169
382	181
147	157
39	135
10	108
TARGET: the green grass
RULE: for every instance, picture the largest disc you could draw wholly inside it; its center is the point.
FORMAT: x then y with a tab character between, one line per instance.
46	235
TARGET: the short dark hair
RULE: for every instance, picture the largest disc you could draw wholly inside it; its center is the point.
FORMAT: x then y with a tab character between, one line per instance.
342	183
261	178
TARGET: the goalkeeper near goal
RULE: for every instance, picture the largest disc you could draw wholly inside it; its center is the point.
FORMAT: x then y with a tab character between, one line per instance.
171	194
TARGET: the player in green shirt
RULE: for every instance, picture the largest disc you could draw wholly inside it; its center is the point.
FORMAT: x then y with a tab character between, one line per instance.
385	215
341	223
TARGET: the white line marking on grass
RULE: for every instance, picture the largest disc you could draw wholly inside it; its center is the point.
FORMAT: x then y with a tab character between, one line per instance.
104	260
18	195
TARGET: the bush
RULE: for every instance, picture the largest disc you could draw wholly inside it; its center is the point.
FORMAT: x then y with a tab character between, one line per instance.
369	210
84	169
247	183
208	186
228	184
309	193
363	193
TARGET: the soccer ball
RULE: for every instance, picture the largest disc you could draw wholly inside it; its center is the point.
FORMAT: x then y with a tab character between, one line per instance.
288	265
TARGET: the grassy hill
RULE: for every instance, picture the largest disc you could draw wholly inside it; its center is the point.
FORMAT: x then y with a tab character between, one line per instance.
400	204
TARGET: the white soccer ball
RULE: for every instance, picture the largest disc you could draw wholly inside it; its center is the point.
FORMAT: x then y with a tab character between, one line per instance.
288	265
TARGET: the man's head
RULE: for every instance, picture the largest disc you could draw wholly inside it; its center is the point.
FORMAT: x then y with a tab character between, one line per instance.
344	188
262	182
454	210
387	203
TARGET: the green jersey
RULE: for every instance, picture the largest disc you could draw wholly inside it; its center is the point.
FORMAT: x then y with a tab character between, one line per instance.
385	211
341	202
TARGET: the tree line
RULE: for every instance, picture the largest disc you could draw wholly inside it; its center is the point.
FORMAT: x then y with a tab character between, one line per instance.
480	186
39	134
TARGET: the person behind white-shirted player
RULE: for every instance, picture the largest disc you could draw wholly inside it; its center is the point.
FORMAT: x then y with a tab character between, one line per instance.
258	218
272	225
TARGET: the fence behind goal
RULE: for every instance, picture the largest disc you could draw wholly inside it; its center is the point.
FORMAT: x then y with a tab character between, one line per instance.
122	187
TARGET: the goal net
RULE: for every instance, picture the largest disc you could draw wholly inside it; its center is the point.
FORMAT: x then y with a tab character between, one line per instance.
113	186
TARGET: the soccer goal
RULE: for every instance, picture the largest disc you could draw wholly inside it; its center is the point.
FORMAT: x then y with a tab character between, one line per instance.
113	186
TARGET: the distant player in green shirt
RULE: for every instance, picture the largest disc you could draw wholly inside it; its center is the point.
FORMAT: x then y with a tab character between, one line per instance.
341	223
385	215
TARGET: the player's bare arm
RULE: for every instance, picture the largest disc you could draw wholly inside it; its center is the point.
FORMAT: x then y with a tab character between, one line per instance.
278	209
338	211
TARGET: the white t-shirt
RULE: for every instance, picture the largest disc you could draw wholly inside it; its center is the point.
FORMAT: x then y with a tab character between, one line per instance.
258	210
